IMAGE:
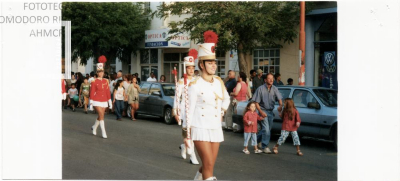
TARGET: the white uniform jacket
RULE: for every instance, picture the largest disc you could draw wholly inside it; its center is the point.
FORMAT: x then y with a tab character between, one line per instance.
206	103
180	97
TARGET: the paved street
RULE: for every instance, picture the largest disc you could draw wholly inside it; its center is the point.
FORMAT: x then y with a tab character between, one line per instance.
147	149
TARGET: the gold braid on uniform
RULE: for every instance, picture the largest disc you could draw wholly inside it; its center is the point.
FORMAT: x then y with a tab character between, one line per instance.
222	86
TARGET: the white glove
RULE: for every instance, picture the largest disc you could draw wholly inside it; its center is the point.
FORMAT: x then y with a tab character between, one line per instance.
109	104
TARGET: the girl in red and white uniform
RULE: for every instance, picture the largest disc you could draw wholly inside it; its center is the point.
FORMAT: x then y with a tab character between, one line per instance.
100	97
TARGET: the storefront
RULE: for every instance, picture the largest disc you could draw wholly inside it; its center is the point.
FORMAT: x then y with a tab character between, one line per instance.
160	56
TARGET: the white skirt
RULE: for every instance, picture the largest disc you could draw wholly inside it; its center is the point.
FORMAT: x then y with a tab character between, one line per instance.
210	135
100	104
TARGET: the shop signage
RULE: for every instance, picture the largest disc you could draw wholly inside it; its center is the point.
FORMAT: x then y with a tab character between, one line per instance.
329	75
157	38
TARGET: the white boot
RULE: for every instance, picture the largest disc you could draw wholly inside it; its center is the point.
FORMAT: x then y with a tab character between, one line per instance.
94	127
103	129
198	176
211	178
193	158
183	150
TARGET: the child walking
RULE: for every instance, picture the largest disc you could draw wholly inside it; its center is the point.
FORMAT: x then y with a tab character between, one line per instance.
250	119
72	93
119	96
290	122
84	91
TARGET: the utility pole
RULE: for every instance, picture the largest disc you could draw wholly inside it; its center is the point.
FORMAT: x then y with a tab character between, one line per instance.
302	46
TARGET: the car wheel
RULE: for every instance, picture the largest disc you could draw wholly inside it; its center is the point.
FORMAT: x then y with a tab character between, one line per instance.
168	115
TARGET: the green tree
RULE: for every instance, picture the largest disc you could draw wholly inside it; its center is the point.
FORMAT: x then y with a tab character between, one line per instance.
111	29
241	26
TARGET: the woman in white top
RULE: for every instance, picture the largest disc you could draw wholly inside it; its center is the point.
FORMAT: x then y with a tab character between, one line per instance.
208	100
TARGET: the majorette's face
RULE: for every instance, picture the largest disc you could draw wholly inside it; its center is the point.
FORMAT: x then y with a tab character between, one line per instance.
211	66
100	74
190	70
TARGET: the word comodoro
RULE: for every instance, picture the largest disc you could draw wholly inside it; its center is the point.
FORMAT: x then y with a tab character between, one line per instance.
25	19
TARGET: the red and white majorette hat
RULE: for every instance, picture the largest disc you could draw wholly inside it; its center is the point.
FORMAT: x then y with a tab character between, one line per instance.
189	60
100	66
207	49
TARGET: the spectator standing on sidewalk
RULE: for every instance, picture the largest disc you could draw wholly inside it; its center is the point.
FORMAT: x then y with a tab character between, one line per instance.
118	99
137	78
257	80
152	78
84	92
133	97
278	81
290	81
265	97
230	85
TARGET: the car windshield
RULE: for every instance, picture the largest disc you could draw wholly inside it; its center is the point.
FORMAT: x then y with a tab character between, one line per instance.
169	89
328	97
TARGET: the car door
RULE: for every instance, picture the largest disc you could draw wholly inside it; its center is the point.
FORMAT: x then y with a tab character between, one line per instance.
310	117
155	102
143	96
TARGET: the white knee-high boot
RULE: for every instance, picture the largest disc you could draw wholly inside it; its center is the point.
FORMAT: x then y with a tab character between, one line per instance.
193	158
103	129
183	150
198	176
94	127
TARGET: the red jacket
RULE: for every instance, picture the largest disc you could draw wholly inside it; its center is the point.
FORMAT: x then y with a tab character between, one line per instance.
290	124
100	90
253	117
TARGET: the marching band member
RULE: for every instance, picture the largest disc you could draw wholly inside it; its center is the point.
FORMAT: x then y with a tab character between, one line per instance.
99	96
208	101
179	111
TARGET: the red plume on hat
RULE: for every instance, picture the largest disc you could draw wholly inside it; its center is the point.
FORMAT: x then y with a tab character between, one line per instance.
210	37
193	53
102	59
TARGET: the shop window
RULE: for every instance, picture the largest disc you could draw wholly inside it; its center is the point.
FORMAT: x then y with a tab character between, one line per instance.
267	60
144	56
153	55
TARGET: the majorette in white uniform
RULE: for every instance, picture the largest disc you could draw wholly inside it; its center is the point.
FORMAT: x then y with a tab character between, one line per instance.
207	103
180	98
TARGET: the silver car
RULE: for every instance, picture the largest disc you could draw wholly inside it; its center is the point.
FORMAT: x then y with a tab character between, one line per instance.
317	107
157	99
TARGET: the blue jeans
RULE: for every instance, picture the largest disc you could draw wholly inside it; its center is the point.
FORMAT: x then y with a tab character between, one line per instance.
264	135
247	137
119	106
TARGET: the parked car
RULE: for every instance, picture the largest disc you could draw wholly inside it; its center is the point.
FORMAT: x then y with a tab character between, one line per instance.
157	99
317	107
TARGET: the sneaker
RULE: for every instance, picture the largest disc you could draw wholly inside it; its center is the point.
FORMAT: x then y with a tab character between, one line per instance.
266	150
73	110
258	151
246	152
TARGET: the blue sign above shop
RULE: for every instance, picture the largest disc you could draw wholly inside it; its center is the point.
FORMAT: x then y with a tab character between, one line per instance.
156	44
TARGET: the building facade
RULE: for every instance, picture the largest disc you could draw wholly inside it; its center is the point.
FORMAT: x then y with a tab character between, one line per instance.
160	56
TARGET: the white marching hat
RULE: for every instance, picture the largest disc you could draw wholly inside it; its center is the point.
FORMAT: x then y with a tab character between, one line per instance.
207	49
100	66
189	61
